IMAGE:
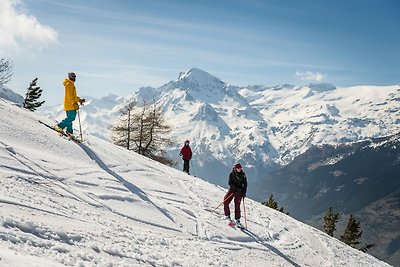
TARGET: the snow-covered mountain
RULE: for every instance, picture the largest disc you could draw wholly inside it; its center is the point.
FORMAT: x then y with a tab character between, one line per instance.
95	204
263	127
299	117
222	126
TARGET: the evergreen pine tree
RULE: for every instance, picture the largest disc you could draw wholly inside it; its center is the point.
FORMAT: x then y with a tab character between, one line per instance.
273	204
32	95
367	247
352	232
330	220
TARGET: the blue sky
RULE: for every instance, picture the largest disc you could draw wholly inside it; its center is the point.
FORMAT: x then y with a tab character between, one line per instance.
118	46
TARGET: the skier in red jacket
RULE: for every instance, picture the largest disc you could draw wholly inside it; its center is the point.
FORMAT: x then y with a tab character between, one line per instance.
186	154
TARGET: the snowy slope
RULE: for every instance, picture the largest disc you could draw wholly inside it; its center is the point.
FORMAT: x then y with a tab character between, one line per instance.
95	204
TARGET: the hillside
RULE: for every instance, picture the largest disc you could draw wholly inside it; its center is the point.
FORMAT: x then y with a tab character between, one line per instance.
94	204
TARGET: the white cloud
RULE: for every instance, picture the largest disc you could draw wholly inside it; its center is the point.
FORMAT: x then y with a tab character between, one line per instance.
19	30
310	76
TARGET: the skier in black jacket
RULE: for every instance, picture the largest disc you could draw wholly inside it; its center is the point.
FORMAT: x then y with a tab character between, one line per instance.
237	190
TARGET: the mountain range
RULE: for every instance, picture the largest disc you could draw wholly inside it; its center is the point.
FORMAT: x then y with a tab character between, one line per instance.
262	127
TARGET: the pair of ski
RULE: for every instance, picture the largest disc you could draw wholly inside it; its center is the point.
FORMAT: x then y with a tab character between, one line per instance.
234	225
62	133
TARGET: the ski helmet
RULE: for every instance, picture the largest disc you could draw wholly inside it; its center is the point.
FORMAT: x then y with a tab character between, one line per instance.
238	166
72	76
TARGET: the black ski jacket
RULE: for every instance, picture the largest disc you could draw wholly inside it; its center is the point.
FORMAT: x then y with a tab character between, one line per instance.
238	182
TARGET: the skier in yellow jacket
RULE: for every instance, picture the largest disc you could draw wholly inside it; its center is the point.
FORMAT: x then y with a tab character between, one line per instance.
71	104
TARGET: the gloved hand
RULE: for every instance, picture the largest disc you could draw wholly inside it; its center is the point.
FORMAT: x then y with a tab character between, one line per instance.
180	154
76	106
82	100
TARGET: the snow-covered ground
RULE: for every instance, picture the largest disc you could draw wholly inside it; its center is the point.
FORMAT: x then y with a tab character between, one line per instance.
95	204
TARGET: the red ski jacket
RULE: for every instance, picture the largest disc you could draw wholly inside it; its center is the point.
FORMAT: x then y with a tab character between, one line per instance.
186	153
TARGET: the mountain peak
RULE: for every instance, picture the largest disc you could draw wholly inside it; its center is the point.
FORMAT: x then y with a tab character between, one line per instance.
199	78
194	73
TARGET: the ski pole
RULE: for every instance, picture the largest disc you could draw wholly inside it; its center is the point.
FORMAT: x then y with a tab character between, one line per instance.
80	127
244	210
222	202
191	164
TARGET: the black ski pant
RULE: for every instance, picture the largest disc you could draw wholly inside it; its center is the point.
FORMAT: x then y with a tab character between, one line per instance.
186	166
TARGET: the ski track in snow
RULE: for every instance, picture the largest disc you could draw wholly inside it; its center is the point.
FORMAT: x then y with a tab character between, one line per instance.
94	204
128	185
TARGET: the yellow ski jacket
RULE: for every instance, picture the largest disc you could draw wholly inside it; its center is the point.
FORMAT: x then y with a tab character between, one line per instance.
70	98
